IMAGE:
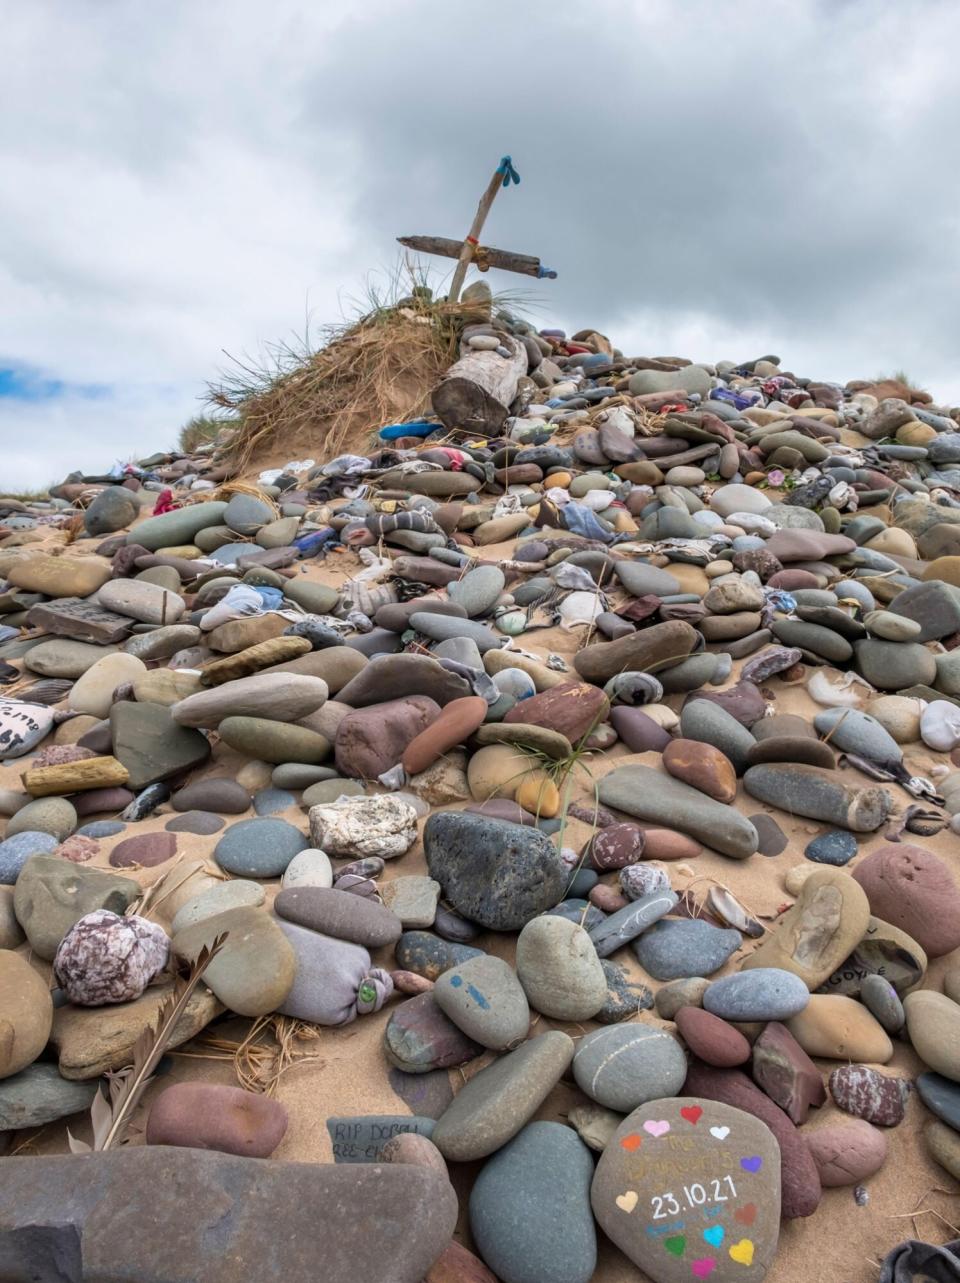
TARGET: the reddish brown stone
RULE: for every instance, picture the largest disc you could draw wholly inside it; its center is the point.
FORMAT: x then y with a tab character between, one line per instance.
640	733
101	801
800	1181
571	708
615	846
609	899
711	1038
372	740
909	887
419	1151
146	850
703	767
783	1070
664	844
457	1265
459	719
212	1116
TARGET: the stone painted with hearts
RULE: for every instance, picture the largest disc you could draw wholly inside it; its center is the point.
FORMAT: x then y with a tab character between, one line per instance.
689	1190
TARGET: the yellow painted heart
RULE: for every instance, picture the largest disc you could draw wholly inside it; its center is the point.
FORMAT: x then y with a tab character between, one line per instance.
627	1202
741	1252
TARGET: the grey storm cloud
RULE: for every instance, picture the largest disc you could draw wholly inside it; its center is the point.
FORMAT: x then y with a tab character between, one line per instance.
711	179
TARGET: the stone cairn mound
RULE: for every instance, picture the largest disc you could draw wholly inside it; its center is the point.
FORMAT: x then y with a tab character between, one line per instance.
574	768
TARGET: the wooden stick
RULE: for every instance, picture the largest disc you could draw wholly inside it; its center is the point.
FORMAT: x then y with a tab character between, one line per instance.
485	256
473	236
75	777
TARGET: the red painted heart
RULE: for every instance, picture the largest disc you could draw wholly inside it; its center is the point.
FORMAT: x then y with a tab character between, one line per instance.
747	1214
692	1113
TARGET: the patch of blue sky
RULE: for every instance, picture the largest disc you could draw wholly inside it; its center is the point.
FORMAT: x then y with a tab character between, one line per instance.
19	382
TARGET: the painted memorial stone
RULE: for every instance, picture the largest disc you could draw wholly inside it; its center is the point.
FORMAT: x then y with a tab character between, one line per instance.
22	726
884	951
689	1190
360	1139
82	620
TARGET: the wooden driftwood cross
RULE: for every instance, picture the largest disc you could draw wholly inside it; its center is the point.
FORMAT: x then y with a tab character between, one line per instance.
469	250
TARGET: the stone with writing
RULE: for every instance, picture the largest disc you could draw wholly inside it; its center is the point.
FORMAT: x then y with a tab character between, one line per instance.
361	1138
689	1189
81	620
22	726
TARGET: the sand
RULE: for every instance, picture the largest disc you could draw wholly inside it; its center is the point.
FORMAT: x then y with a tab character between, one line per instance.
841	1243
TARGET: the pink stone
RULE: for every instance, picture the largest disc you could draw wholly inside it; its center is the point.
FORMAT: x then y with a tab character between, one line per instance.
104	958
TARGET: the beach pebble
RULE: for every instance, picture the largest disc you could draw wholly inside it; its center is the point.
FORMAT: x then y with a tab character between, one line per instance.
815	935
484	998
26	1013
674	948
762	993
711	1039
933	1025
558	967
529	1208
836	1027
214	1116
104	958
419	1038
719	1152
867	1093
260	848
625	1066
500	1099
846	1153
911	888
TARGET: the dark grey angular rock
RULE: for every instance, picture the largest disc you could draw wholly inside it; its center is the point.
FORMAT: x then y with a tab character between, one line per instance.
498	874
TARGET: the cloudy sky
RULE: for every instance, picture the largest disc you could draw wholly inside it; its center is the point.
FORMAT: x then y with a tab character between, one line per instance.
712	179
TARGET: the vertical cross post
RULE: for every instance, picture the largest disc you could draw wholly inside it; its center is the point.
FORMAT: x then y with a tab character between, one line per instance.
501	178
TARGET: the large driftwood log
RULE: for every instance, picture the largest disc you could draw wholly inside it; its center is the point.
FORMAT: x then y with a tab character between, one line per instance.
477	390
75	777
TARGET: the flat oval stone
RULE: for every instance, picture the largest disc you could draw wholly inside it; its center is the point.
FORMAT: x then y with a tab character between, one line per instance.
836	1027
215	1116
308	868
625	1066
933	1023
630	921
712	1039
26	1013
530	1208
689	1188
39	1095
484	998
429	956
847	1153
675	948
340	914
144	850
495	1103
259	848
762	993
942	1097
224	796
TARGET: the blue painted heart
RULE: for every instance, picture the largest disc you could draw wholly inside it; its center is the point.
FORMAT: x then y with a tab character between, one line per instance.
714	1235
751	1164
